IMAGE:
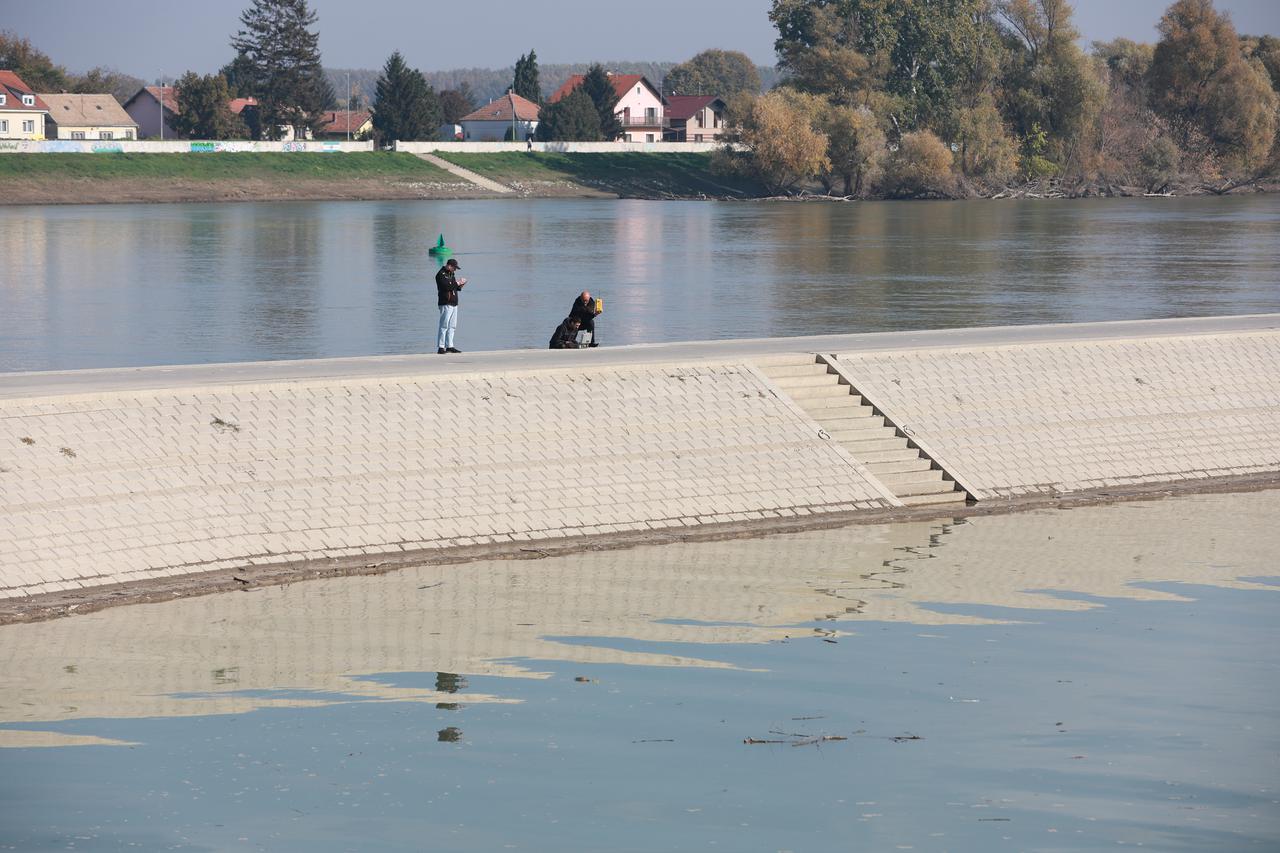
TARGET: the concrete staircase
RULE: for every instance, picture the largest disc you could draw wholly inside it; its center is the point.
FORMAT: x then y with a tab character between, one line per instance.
853	422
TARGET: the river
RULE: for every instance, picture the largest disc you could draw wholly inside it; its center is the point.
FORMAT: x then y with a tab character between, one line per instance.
1049	680
126	285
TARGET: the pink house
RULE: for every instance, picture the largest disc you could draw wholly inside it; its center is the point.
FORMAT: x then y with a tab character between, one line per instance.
639	107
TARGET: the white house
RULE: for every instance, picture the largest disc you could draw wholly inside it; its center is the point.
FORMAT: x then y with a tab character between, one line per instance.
88	117
510	117
639	107
22	112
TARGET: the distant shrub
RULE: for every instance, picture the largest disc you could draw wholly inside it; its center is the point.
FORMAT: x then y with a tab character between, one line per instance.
920	168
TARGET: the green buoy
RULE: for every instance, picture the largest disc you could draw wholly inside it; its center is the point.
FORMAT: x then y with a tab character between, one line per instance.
440	250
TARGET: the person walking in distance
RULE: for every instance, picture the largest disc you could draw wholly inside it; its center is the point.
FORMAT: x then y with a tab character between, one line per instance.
447	286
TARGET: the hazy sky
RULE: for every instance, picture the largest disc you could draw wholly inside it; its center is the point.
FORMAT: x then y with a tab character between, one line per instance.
148	37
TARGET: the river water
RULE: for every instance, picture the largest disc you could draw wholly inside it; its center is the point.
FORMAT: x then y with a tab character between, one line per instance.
124	285
1094	679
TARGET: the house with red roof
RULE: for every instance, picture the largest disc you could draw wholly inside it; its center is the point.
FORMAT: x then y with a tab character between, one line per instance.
22	111
640	107
346	124
694	118
153	108
510	118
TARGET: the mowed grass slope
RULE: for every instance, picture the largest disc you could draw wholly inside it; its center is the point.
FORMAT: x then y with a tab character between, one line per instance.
628	173
219	166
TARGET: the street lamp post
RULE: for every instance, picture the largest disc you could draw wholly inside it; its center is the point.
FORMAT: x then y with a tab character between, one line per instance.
348	106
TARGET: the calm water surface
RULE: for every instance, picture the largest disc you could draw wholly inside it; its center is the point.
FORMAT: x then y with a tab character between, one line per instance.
102	286
1044	681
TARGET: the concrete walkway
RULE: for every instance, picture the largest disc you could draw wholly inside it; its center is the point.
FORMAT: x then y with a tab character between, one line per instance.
467	174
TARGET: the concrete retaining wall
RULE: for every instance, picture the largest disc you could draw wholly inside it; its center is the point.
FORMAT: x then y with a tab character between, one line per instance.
560	147
121	475
1071	416
180	146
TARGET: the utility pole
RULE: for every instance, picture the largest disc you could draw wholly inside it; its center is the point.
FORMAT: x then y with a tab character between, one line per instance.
161	99
348	106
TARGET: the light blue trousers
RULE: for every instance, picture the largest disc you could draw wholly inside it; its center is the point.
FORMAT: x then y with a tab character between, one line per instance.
448	325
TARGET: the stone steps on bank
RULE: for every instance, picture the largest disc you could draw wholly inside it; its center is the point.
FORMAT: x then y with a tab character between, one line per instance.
852	421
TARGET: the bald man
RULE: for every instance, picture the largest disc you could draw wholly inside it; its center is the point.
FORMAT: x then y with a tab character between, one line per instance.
584	311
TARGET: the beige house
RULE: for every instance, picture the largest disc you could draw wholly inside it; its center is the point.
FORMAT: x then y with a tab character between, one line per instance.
22	112
88	117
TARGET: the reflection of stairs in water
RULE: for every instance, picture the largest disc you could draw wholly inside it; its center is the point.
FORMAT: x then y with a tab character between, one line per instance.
862	430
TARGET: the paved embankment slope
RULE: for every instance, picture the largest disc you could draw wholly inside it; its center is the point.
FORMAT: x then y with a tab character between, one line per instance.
110	476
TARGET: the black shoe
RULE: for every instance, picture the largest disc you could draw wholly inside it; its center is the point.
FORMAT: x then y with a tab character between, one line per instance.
593	344
440	351
451	349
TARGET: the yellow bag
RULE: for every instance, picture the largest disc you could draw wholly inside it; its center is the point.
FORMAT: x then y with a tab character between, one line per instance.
599	305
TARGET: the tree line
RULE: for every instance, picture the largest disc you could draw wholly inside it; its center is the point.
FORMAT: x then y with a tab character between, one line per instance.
910	98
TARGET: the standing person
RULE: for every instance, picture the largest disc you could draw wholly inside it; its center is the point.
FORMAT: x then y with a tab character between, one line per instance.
584	309
447	287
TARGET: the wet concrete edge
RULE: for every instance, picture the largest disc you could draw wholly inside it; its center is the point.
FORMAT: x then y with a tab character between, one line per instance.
54	605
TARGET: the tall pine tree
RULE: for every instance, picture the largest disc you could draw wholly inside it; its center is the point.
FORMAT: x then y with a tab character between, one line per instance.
526	83
280	55
406	107
573	118
599	88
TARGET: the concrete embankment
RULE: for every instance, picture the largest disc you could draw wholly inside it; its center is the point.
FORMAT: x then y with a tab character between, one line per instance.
301	468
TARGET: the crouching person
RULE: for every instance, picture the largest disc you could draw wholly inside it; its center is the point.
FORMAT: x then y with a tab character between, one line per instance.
566	334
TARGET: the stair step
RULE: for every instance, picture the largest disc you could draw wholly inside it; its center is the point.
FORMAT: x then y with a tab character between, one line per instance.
814	380
823	391
862	421
876	445
786	371
791	359
869	456
932	487
857	436
828	405
900	466
955	497
904	482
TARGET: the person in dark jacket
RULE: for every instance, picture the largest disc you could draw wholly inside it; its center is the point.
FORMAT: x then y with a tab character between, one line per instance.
584	308
566	334
447	287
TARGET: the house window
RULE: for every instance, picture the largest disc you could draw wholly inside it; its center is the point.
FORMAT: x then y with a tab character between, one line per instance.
4	127
3	98
29	127
77	134
648	137
697	137
29	100
128	134
106	134
697	119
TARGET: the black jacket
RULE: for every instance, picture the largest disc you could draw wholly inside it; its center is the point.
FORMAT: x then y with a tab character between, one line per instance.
586	314
447	287
564	336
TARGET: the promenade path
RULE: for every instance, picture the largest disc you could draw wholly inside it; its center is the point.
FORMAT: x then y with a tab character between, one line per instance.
143	475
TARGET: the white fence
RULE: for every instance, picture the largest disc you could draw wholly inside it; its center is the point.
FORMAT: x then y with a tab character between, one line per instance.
177	146
246	146
560	147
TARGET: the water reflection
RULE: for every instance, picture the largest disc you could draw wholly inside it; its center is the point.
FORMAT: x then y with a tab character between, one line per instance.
324	642
100	286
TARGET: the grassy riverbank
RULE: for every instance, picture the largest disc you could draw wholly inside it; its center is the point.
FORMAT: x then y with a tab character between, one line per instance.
98	178
630	174
106	178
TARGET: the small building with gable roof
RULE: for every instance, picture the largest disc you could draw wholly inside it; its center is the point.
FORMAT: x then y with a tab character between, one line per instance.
153	109
510	118
694	118
22	111
88	117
